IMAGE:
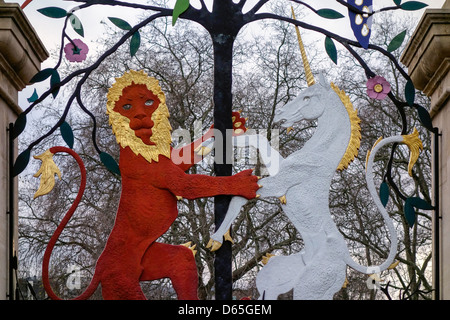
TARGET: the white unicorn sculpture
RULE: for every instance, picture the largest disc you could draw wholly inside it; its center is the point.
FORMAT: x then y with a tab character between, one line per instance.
302	182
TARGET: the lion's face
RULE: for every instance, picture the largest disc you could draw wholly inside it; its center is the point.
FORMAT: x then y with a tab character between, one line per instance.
139	116
137	103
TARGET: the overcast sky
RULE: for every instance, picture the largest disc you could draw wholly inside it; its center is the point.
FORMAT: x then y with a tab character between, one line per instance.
49	30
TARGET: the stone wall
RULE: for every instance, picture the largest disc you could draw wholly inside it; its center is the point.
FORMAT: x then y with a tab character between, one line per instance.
21	54
427	57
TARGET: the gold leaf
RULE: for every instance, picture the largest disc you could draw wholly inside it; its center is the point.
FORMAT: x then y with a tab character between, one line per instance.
266	258
415	147
355	136
47	173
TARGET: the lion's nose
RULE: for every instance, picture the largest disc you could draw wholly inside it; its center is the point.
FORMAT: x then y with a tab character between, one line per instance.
140	116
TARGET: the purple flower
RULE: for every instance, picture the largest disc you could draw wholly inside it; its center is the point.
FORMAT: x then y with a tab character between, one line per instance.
378	87
76	51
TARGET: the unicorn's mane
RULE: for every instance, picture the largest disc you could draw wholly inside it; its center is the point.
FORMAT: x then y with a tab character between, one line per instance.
355	136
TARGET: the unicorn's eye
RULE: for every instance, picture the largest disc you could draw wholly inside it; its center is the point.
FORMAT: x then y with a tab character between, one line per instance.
306	99
126	106
149	102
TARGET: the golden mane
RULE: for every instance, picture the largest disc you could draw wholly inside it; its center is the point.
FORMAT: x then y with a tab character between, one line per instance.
355	136
125	136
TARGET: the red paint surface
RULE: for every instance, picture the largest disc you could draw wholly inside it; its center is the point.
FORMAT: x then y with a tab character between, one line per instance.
147	209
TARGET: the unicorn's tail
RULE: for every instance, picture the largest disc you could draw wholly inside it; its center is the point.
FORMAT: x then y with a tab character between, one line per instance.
415	146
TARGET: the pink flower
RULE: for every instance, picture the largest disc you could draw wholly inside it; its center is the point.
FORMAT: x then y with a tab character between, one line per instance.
76	51
378	87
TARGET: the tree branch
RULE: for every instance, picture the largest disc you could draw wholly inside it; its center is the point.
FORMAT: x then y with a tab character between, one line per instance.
86	71
121	4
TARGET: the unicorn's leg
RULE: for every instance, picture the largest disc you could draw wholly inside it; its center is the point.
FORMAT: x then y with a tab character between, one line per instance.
324	273
279	275
269	156
320	281
234	208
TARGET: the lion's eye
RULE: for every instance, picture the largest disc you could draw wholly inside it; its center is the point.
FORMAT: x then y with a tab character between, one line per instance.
149	102
126	106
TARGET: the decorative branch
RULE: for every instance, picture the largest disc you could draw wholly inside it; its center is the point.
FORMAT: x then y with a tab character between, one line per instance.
122	4
23	158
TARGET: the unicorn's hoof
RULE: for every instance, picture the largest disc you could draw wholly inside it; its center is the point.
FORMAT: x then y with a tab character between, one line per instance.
265	259
213	245
228	237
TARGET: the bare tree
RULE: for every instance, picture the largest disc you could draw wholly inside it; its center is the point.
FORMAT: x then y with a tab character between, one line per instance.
412	277
267	73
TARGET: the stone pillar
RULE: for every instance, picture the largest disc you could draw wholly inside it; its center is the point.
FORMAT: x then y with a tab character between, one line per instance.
21	54
427	57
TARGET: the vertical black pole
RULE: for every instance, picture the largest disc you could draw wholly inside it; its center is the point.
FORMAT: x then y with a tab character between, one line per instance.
223	52
437	217
11	220
223	33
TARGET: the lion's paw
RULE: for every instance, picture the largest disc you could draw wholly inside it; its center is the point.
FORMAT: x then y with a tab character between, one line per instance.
238	123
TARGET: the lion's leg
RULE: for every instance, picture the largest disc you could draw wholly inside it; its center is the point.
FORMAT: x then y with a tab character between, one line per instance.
120	277
174	262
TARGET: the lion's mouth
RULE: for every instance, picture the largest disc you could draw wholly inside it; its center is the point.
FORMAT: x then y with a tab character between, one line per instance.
139	124
145	135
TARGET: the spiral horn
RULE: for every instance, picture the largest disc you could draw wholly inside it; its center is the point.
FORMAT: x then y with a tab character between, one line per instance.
309	75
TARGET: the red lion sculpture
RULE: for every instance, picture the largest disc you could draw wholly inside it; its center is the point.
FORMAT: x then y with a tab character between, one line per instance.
151	182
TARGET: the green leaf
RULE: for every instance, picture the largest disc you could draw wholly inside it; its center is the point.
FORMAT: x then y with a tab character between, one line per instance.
410	204
135	43
109	163
331	49
21	162
397	41
329	14
67	134
410	213
54	80
420	203
425	118
53	12
384	193
19	125
42	75
122	24
33	97
76	25
397	2
180	7
413	5
410	92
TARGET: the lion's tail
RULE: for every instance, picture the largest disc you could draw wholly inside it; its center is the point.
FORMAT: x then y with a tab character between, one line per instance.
415	146
47	172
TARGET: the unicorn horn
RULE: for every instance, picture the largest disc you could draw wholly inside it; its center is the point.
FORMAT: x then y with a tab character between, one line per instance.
308	72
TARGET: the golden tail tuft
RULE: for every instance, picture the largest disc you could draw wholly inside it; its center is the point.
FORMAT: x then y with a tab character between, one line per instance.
47	172
415	147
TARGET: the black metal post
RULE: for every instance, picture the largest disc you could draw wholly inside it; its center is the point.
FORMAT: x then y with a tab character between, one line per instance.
223	34
12	255
437	217
222	122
